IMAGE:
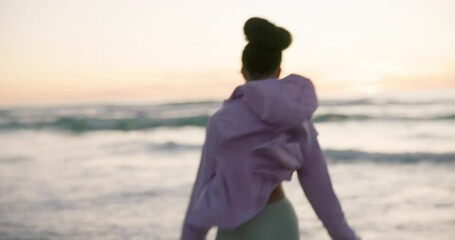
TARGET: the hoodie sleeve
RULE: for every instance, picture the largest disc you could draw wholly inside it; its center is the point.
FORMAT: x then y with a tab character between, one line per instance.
189	230
316	183
206	170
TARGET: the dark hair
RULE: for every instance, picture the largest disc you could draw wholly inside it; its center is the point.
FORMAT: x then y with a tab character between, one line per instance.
262	54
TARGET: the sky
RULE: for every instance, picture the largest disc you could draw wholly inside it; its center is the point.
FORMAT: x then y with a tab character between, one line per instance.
55	51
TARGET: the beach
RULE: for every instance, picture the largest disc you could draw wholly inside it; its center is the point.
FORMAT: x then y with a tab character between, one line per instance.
118	171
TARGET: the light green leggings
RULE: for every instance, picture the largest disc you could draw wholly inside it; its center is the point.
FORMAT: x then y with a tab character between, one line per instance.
276	221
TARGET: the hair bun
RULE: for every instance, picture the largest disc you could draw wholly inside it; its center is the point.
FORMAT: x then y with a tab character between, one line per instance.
265	35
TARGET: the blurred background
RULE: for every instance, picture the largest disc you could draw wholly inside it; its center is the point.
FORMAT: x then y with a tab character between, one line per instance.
103	107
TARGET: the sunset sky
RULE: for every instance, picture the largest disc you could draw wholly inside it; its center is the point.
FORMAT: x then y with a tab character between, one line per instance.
70	51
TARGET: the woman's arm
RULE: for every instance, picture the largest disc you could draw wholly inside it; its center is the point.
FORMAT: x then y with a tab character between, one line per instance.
189	231
205	173
316	183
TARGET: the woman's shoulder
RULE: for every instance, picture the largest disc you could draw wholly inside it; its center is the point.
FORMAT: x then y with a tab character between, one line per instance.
235	120
232	112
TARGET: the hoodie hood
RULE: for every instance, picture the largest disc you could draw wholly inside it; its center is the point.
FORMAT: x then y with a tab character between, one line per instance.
281	103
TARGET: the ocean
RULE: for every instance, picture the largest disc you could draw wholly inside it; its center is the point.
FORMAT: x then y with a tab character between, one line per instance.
125	171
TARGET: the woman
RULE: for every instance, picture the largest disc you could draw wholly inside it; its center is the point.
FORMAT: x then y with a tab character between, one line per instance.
260	136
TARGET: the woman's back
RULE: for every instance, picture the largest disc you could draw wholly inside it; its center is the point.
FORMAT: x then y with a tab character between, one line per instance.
277	194
262	135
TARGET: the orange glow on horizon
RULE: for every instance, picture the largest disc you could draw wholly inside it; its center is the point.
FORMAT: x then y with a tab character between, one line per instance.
69	51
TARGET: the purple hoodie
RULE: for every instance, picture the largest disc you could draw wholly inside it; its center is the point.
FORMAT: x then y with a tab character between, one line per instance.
260	136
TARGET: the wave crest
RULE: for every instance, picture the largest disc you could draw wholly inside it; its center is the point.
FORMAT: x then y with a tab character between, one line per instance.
80	124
